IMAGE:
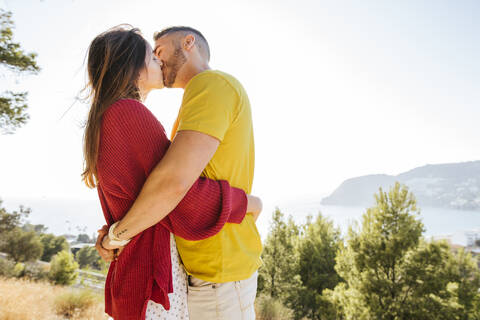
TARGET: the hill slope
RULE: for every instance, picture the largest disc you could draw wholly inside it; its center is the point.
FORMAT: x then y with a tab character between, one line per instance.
455	185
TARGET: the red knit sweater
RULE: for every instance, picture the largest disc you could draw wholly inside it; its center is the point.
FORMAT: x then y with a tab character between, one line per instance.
132	142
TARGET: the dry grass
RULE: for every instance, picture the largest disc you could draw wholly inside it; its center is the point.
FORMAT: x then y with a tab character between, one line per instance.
26	300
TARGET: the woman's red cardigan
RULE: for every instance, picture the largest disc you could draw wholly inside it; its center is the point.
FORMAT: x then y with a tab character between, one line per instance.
132	142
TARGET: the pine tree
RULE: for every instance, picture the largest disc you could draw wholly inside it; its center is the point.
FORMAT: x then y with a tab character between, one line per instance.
275	275
12	57
315	266
391	273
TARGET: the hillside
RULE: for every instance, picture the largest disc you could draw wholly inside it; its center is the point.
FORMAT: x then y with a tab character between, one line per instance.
455	186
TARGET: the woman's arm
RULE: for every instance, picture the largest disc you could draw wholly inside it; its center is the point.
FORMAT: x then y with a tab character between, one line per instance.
198	227
203	206
254	207
132	143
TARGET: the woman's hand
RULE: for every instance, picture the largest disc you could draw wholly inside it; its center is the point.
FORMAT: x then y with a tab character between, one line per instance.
107	253
254	206
106	243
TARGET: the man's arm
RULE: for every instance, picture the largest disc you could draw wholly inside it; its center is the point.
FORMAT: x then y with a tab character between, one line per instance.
169	181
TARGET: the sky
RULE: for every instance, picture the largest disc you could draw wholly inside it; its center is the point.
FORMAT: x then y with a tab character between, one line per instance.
338	88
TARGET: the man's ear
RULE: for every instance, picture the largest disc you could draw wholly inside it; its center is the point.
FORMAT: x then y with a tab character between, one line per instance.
189	42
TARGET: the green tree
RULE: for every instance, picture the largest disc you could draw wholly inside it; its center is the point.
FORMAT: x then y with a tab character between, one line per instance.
275	275
391	273
83	238
465	275
12	57
63	269
89	257
316	251
38	228
11	220
22	246
52	245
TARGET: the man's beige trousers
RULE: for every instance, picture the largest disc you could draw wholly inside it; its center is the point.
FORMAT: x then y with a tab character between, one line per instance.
222	301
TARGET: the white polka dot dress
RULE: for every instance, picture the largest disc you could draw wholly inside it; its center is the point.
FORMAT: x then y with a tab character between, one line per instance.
178	298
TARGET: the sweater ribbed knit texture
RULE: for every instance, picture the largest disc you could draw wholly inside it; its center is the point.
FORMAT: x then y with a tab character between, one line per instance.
132	142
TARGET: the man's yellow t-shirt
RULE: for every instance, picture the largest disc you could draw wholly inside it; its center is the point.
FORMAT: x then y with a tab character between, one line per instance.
216	104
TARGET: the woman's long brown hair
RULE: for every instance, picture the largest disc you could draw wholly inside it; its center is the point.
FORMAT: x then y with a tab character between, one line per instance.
115	59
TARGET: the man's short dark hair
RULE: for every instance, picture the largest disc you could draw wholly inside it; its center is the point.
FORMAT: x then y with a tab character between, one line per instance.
201	42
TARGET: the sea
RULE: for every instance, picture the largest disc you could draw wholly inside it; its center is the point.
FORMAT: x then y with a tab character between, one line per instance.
75	216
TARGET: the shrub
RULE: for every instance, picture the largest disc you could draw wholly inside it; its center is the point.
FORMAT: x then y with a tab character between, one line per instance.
75	303
269	308
32	271
7	268
19	270
63	269
35	271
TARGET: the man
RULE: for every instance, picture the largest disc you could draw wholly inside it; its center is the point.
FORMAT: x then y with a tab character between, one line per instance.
213	136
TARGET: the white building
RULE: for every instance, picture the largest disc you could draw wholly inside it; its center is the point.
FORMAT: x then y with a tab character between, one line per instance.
462	238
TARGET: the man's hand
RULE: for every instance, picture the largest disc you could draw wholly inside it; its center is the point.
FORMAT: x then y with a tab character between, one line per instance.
106	252
254	206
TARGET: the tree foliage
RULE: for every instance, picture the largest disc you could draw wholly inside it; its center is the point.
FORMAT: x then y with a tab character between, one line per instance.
84	238
316	250
22	246
383	270
299	264
465	282
11	220
89	257
37	228
20	239
63	269
13	58
392	273
278	256
52	245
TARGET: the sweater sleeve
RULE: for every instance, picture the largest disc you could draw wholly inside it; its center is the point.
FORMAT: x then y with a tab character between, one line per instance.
203	198
132	142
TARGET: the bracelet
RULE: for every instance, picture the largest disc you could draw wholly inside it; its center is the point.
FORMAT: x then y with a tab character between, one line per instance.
114	240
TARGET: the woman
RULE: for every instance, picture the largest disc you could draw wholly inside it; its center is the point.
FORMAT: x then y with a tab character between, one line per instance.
123	142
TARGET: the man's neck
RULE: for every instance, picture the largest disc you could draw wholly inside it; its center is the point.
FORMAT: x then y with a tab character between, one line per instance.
188	73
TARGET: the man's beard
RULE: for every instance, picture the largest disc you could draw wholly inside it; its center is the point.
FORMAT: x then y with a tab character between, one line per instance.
176	61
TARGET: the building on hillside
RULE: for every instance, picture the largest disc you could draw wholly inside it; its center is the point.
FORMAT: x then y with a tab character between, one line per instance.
467	239
471	238
70	238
